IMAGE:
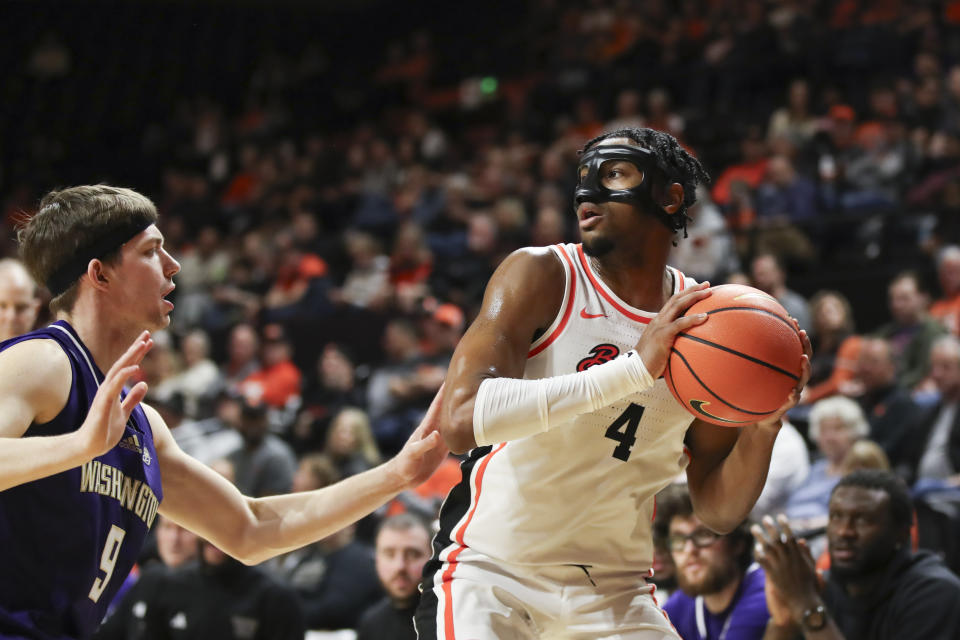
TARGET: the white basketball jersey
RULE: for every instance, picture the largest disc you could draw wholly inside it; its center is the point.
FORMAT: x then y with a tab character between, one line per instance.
582	492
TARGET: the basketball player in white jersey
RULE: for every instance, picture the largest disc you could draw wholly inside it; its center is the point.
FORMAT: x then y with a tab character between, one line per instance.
556	392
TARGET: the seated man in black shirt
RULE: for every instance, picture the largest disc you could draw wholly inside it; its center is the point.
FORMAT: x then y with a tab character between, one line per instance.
876	587
403	547
216	597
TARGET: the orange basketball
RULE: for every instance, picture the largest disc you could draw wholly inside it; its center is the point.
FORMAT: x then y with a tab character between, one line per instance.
739	366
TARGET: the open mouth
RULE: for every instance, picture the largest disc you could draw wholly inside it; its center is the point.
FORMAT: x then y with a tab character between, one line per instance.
587	212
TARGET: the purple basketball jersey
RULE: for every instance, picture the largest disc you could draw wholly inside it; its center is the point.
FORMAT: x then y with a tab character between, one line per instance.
68	541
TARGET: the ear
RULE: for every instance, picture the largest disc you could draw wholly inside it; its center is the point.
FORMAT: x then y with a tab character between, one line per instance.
97	274
673	198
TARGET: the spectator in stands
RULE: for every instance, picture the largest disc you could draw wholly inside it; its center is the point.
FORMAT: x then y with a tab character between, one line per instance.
829	152
933	446
709	252
332	387
176	546
367	284
794	121
265	464
664	576
350	444
334	578
785	196
787	207
212	438
835	346
768	275
442	331
19	299
203	265
277	382
300	288
750	170
835	424
243	349
627	111
218	597
946	308
876	587
394	396
888	405
410	260
720	591
199	378
402	548
911	331
865	454
874	170
789	468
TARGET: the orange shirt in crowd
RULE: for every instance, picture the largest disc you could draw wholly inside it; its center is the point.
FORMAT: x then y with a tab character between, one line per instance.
843	371
947	311
274	385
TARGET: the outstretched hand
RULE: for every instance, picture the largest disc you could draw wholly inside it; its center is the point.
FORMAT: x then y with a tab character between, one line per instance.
424	449
657	339
108	415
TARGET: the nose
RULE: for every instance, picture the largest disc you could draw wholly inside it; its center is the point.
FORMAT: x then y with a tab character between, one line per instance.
173	267
844	528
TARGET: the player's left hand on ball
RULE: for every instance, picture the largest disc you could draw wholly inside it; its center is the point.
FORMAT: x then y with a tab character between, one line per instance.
654	345
424	449
794	396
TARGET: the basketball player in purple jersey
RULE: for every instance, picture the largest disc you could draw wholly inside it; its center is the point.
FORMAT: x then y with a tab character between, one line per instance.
82	459
556	392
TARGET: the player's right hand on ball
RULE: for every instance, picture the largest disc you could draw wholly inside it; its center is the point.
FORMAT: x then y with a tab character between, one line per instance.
108	415
654	345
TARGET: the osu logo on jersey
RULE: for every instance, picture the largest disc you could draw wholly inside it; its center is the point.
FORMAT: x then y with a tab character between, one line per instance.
601	353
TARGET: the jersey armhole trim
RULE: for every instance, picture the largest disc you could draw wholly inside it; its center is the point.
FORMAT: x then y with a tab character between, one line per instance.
569	296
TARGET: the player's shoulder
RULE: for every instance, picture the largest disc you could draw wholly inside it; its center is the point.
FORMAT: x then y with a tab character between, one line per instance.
536	263
40	362
35	376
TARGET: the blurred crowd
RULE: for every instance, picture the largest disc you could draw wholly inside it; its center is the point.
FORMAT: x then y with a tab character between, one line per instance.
336	224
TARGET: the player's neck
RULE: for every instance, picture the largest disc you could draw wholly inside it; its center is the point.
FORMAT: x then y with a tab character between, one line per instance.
106	341
718	601
640	279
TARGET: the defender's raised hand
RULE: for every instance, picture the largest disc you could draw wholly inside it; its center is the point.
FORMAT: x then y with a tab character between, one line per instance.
105	421
424	450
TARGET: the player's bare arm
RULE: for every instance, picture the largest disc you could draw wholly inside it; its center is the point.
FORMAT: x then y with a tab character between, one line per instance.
34	387
728	466
523	296
255	529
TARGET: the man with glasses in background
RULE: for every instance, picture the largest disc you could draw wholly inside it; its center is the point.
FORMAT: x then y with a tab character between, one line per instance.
720	595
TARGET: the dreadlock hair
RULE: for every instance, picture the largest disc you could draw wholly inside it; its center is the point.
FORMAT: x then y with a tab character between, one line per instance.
678	164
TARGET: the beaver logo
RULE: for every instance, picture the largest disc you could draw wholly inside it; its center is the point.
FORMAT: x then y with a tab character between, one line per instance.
600	354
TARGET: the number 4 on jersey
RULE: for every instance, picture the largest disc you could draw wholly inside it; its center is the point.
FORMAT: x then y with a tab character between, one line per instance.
624	431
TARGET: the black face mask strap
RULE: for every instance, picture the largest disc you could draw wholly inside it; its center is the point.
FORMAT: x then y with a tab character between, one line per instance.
589	189
64	277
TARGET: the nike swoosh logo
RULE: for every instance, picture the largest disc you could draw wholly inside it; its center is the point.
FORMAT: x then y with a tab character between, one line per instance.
698	407
588	316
